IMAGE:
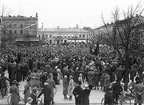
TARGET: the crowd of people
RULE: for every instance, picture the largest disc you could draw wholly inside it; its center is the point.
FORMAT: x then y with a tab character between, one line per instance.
44	67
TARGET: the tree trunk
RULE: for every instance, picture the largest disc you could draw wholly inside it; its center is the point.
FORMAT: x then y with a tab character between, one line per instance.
126	75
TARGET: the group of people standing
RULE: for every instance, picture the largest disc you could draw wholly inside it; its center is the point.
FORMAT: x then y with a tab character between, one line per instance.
45	69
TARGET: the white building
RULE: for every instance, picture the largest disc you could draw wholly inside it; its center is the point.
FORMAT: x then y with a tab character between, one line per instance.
63	35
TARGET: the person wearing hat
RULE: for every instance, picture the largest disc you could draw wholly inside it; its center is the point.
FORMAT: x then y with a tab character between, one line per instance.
85	95
33	95
43	78
139	92
14	90
3	84
108	97
52	86
76	93
65	86
55	76
29	101
71	87
47	94
27	90
117	89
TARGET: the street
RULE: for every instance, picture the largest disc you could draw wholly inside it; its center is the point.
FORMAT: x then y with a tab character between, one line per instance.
95	96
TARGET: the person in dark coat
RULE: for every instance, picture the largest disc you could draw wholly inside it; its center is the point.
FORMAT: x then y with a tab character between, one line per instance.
13	74
139	92
85	95
108	97
10	69
3	84
43	78
33	96
55	75
25	70
117	88
14	90
76	93
47	94
119	72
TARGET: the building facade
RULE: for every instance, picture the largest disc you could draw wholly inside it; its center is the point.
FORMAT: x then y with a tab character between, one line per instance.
20	28
63	35
119	30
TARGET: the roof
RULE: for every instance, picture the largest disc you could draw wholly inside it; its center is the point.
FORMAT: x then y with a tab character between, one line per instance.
124	21
62	30
19	18
27	39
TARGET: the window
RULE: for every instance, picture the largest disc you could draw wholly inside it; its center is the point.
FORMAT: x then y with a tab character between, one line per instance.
39	36
50	41
80	36
50	35
21	31
15	31
58	41
21	26
4	32
15	25
10	25
10	31
83	35
65	41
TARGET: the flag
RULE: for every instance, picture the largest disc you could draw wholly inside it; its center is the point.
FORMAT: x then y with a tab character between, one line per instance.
96	52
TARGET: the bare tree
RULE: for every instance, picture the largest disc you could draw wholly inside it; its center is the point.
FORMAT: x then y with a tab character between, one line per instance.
5	35
125	34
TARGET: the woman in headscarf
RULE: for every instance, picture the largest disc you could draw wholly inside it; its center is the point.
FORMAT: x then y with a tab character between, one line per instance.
27	90
139	91
65	86
71	87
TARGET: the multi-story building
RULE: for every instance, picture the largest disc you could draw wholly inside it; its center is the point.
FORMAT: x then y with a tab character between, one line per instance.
21	28
120	28
63	35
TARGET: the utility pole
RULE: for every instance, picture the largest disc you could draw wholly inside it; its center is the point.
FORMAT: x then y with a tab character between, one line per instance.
1	32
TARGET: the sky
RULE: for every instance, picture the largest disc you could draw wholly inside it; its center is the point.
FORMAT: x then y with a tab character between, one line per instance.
67	13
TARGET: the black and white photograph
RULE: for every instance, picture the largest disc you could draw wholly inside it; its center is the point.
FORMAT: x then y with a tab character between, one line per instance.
71	52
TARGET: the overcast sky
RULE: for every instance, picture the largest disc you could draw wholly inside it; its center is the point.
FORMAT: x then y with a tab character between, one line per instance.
67	13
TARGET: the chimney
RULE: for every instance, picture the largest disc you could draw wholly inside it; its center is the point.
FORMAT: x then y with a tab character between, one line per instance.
42	24
58	27
37	15
77	26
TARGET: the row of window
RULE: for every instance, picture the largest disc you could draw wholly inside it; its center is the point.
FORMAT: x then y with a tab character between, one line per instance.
15	25
69	36
58	41
15	32
19	32
65	41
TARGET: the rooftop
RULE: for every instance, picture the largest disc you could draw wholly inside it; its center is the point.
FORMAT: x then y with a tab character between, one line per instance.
18	17
62	30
